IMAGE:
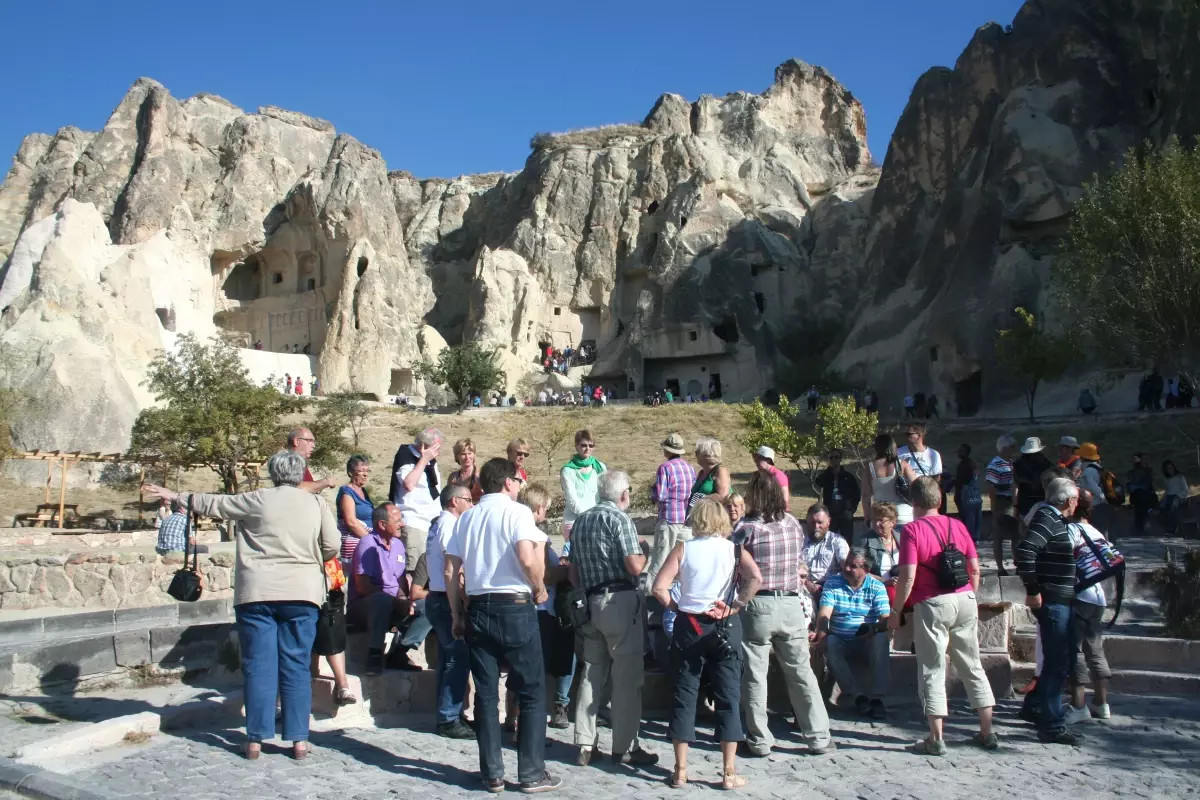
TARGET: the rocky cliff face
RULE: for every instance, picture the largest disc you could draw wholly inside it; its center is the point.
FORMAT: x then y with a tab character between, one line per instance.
680	247
983	170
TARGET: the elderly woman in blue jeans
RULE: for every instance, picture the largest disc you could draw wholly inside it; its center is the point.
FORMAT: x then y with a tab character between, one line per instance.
285	536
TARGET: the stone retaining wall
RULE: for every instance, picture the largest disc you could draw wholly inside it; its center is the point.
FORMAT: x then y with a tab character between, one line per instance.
25	538
103	580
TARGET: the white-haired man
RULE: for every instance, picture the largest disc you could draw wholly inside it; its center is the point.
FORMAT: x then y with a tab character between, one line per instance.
606	559
415	487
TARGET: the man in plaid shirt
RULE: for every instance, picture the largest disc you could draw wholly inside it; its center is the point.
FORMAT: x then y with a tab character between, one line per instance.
606	559
776	619
172	533
672	489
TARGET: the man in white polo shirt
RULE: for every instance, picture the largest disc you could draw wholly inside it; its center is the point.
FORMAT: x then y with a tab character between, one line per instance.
415	489
499	550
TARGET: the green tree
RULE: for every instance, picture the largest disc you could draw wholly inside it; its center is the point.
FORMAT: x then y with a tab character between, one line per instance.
337	413
209	412
1129	270
464	369
842	425
1033	355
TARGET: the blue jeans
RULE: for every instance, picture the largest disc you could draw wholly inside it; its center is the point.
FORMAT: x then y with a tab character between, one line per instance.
453	659
381	612
276	641
875	648
1058	660
971	515
499	629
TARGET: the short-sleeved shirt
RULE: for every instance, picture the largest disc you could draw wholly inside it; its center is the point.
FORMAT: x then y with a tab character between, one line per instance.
775	548
172	533
926	462
485	539
852	607
420	506
1000	475
364	511
921	544
601	538
435	549
383	564
780	476
824	557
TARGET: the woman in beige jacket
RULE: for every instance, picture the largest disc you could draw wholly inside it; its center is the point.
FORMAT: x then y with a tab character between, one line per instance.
285	535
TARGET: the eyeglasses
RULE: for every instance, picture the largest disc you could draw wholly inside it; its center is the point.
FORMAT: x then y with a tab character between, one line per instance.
522	455
305	439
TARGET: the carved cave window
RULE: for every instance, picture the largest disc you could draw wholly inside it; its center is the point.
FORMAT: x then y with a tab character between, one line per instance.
362	265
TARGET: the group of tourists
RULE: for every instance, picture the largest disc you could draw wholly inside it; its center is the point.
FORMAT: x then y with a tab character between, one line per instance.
729	577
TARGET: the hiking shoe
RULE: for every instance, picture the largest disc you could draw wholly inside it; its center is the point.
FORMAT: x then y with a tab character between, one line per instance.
559	718
1060	737
455	730
878	711
862	705
932	747
586	754
821	750
1029	715
374	662
1100	711
1074	716
745	750
637	757
547	783
494	785
989	742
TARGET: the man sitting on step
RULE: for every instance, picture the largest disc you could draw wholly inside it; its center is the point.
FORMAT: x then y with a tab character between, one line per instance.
853	619
383	596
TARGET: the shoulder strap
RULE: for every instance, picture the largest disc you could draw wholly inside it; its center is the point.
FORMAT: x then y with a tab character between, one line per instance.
187	537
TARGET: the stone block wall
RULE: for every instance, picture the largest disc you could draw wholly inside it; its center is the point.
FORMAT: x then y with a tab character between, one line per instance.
103	580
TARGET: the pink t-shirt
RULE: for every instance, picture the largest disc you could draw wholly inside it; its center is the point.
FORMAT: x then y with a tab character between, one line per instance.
779	475
921	543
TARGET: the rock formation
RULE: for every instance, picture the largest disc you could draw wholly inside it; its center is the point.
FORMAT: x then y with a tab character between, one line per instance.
681	248
983	170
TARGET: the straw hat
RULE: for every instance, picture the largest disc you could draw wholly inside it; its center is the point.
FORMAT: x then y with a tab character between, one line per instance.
673	444
1032	445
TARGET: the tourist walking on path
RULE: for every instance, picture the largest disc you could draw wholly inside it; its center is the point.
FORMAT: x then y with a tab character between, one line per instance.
1046	564
500	554
284	538
579	479
467	473
606	560
717	580
1027	477
881	479
1140	488
841	495
764	461
415	485
1103	516
1001	492
453	659
944	613
967	498
713	478
776	620
671	491
1089	664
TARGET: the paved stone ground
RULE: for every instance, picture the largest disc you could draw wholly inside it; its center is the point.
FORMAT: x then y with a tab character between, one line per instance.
1150	749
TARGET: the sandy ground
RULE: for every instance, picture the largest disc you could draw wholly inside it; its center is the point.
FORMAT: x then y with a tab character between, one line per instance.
628	438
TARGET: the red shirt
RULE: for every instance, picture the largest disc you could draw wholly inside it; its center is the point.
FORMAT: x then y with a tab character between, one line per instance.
308	478
921	544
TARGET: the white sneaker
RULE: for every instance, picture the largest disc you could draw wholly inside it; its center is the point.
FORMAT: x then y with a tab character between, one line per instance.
1101	711
1073	715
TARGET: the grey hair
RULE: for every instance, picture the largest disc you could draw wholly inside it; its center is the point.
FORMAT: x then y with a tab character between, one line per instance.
859	552
1060	491
1005	441
611	485
355	462
380	514
293	435
429	436
448	494
709	446
286	468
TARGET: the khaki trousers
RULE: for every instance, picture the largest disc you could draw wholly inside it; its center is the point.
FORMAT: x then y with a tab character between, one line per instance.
778	623
612	648
949	621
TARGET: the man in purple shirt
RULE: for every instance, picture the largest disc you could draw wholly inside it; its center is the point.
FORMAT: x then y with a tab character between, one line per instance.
383	596
672	488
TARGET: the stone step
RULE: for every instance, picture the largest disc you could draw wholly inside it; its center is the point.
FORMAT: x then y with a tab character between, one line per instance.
1129	681
1156	654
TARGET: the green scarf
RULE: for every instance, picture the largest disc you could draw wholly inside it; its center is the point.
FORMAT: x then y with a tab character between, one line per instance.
579	462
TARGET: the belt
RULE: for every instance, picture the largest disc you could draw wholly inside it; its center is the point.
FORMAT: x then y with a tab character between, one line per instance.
615	585
501	598
432	593
774	593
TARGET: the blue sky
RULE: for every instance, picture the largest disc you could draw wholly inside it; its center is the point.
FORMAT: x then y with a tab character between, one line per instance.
448	88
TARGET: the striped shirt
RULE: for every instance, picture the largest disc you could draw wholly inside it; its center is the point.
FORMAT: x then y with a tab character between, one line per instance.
775	547
824	556
852	607
601	538
1045	558
999	474
672	489
172	534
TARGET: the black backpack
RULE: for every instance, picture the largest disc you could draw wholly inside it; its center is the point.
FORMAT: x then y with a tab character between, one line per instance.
951	564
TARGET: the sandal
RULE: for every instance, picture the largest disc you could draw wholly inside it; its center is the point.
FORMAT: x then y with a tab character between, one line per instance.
678	779
344	697
300	750
252	750
733	781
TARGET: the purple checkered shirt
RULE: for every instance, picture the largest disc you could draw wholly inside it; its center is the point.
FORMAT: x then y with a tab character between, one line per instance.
775	547
672	489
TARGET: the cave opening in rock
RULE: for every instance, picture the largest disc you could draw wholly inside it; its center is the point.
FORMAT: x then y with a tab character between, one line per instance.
650	209
933	354
760	302
244	281
727	330
968	394
402	382
363	263
166	318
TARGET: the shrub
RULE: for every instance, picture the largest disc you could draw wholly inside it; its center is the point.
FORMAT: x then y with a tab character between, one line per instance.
1177	584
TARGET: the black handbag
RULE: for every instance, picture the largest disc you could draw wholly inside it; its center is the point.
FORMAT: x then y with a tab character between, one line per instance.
722	645
331	625
187	586
571	607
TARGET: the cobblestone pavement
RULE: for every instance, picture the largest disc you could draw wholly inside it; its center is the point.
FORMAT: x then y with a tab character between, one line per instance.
1149	749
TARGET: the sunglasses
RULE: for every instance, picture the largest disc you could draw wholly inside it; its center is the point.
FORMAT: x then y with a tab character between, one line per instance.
588	445
522	455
